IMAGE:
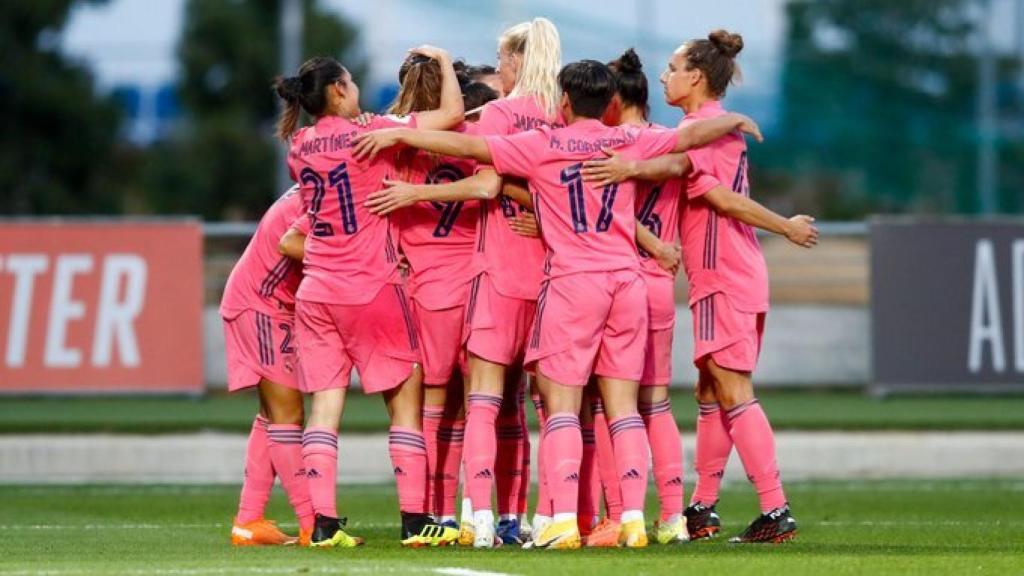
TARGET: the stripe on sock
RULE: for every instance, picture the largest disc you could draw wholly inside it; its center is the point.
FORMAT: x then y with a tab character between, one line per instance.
625	423
735	411
650	409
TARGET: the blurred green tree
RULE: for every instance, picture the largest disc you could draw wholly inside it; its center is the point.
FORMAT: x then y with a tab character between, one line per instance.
878	109
222	161
59	139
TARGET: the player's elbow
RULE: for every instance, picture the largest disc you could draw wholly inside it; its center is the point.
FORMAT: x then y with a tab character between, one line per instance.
292	245
489	184
723	202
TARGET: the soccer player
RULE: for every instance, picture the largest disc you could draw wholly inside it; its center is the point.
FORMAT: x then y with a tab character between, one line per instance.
591	313
728	288
258	311
352	308
439	241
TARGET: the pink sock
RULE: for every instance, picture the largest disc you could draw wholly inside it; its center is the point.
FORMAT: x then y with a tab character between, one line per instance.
435	475
286	454
259	474
509	465
320	457
606	466
667	454
713	447
450	438
563	451
523	487
543	493
629	442
482	448
755	443
590	480
409	459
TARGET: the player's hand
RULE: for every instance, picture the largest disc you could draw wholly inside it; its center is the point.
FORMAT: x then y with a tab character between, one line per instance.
369	144
364	119
394	195
802	232
610	170
669	257
748	126
525	224
432	52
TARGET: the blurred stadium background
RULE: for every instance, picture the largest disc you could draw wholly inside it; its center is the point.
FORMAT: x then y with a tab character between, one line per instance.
894	350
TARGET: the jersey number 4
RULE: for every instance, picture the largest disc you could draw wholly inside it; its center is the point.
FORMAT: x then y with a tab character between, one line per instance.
338	179
573	180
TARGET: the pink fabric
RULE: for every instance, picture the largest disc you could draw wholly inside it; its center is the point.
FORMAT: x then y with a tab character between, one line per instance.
431	424
499	325
606	465
259	474
482	448
590	480
563	451
726	333
320	457
590	323
543	506
409	460
351	253
263	279
713	447
629	442
586	229
441	334
511	432
260	345
657	208
721	254
335	338
450	438
755	443
286	455
438	239
661	310
519	276
667	456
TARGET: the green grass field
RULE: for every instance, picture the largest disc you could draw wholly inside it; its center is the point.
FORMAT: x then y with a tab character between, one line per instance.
789	410
846	528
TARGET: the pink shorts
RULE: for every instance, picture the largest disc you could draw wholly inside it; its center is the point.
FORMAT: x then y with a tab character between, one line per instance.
442	334
731	337
661	309
260	346
378	339
498	325
593	322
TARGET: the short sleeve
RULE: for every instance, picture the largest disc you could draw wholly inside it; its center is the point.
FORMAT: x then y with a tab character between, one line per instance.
701	178
517	155
301	224
654	142
493	121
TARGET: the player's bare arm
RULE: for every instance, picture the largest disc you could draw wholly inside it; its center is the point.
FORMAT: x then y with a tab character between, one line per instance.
369	144
451	111
293	244
668	256
397	194
799	230
517	190
704	132
615	168
525	224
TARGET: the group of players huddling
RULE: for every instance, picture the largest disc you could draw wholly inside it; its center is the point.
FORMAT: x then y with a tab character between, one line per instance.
498	226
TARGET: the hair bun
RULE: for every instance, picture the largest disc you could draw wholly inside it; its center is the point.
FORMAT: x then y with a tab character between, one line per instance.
289	88
728	43
629	62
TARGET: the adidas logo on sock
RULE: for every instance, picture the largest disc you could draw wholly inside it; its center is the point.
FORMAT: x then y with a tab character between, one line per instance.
631	475
574	477
301	472
312	473
750	478
718	474
399	471
484	474
677	481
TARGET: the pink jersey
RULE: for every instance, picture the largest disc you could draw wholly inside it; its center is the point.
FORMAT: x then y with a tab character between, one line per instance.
350	253
657	208
586	228
438	238
263	280
514	263
721	254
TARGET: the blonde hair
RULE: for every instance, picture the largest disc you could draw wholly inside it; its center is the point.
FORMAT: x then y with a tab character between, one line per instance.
541	48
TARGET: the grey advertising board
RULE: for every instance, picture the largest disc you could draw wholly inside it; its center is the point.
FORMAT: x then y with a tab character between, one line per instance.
947	304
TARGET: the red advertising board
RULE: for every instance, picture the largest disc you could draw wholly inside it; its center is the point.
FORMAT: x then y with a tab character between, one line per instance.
104	306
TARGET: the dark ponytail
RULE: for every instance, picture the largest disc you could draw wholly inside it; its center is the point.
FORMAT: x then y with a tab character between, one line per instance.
306	91
631	80
716	58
